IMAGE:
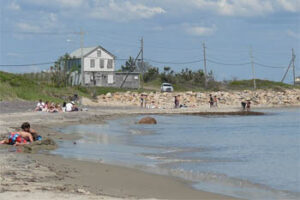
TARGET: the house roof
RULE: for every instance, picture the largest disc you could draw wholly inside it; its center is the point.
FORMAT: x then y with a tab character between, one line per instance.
87	51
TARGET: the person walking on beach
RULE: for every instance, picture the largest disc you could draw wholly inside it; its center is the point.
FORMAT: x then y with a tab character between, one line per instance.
248	105
142	100
243	103
177	101
215	101
211	101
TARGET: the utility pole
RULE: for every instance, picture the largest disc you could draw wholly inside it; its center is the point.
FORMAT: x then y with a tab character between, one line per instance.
81	56
205	71
253	71
292	63
134	63
142	56
294	74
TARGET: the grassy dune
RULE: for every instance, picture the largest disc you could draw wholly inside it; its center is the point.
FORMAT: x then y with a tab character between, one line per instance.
14	86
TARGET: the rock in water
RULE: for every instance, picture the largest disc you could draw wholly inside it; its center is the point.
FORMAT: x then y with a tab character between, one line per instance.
147	120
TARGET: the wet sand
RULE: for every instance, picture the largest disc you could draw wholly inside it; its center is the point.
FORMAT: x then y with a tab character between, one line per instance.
52	177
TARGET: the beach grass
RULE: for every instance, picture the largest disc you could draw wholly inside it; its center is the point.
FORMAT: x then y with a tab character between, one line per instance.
16	86
260	84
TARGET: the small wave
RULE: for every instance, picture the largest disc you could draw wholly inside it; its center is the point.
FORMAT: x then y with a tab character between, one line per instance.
170	160
224	184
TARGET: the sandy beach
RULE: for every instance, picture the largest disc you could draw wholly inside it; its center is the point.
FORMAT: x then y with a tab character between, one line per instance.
41	175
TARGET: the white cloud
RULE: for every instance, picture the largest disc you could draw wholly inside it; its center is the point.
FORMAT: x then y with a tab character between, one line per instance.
12	54
123	11
244	8
236	7
293	34
13	6
200	30
23	26
290	5
46	22
57	3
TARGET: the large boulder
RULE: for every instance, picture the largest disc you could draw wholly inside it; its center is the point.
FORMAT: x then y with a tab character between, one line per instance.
147	120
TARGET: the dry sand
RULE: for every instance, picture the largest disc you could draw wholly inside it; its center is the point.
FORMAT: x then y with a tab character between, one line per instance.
44	176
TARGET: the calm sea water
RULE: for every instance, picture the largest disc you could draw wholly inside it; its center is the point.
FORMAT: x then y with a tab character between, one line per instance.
252	157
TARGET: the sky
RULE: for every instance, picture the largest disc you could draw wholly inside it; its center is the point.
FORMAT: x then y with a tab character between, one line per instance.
40	31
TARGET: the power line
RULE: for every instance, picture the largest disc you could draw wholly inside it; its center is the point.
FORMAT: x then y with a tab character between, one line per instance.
159	62
24	65
221	63
173	63
225	61
268	66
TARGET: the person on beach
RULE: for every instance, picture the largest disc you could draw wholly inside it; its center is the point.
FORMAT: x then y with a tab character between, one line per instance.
69	107
26	127
46	106
18	138
22	137
145	100
243	103
248	105
74	107
64	106
52	108
177	101
58	107
211	101
40	105
142	99
215	101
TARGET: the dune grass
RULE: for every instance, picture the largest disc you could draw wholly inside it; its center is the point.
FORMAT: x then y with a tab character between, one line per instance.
14	86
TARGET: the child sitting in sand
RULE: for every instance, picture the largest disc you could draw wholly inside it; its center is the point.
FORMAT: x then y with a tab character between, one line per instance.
22	137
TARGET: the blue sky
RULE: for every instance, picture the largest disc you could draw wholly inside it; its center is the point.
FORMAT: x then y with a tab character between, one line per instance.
37	31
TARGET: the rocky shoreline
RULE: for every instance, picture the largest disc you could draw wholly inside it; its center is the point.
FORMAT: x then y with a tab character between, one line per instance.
259	98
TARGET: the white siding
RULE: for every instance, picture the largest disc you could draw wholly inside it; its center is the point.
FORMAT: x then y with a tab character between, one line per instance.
110	79
105	56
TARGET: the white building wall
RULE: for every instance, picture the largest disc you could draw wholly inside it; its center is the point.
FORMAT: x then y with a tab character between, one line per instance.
97	68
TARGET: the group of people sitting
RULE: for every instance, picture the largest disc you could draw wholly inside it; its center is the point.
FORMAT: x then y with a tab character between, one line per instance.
25	136
55	107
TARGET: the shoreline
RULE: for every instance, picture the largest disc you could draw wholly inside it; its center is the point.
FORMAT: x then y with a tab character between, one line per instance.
145	185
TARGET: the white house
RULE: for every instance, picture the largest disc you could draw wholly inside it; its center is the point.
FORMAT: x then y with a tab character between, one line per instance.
99	69
297	80
95	60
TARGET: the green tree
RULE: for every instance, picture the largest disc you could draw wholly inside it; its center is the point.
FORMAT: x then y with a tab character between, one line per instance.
129	65
151	74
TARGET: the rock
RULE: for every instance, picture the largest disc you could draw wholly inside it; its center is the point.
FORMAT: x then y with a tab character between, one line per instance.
147	120
108	95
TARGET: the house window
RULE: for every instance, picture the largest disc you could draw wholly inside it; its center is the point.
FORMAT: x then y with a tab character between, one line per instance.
101	63
110	63
92	63
98	53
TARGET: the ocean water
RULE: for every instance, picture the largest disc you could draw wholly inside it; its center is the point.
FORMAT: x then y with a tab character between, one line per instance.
251	157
